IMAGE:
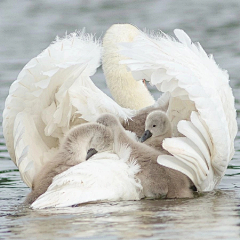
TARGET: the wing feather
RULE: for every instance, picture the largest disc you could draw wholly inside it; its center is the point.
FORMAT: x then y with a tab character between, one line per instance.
53	93
94	182
196	84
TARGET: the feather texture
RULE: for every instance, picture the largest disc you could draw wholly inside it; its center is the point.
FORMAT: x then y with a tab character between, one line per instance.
52	94
106	176
200	95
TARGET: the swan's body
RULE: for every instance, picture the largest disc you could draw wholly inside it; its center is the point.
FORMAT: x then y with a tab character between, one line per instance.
73	151
157	128
54	92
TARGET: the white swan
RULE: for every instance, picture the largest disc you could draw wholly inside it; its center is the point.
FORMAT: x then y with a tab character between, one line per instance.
201	107
54	92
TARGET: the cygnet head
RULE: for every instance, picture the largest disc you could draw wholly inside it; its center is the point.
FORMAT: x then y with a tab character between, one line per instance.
157	125
85	137
100	142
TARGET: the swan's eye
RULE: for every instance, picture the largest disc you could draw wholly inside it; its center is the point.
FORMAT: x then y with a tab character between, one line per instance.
154	125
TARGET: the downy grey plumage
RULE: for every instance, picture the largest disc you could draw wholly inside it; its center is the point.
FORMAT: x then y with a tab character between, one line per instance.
157	181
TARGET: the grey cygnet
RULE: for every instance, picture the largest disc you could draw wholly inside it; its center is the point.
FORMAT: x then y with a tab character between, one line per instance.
80	143
157	181
136	124
157	128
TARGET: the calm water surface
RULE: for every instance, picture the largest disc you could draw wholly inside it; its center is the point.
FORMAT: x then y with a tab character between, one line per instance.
26	28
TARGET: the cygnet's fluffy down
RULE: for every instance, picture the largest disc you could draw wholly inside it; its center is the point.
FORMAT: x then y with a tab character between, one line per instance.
76	147
157	128
136	124
157	180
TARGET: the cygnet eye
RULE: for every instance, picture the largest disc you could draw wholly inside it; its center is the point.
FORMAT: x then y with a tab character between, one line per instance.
154	125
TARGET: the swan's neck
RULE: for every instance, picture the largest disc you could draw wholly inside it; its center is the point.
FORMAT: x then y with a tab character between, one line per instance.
126	91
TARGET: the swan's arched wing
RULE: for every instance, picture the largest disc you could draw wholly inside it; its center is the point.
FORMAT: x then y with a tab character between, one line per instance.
52	93
104	177
200	95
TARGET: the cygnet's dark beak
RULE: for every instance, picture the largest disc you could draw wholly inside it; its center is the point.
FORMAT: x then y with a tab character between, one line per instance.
91	152
147	134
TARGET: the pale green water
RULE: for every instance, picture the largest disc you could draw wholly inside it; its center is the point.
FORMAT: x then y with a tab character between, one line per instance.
26	28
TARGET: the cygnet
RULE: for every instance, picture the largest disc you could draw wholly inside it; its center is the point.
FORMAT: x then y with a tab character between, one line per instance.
80	144
157	128
136	124
157	181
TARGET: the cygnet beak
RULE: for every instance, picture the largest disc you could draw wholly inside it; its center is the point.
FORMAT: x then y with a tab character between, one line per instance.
90	153
147	134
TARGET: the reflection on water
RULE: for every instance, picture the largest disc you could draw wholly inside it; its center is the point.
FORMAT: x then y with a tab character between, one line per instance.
27	27
200	218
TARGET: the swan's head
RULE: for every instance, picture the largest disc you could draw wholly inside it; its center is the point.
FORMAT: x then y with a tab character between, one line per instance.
108	120
157	125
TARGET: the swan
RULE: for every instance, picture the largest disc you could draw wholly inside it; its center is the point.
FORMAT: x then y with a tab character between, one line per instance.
77	147
54	92
157	128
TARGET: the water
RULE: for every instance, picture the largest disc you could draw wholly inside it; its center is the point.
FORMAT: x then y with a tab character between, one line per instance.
27	27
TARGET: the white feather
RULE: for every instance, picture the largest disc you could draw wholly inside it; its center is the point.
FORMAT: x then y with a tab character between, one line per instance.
105	176
52	94
195	83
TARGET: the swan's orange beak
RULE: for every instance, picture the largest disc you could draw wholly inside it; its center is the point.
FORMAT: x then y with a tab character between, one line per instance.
144	82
